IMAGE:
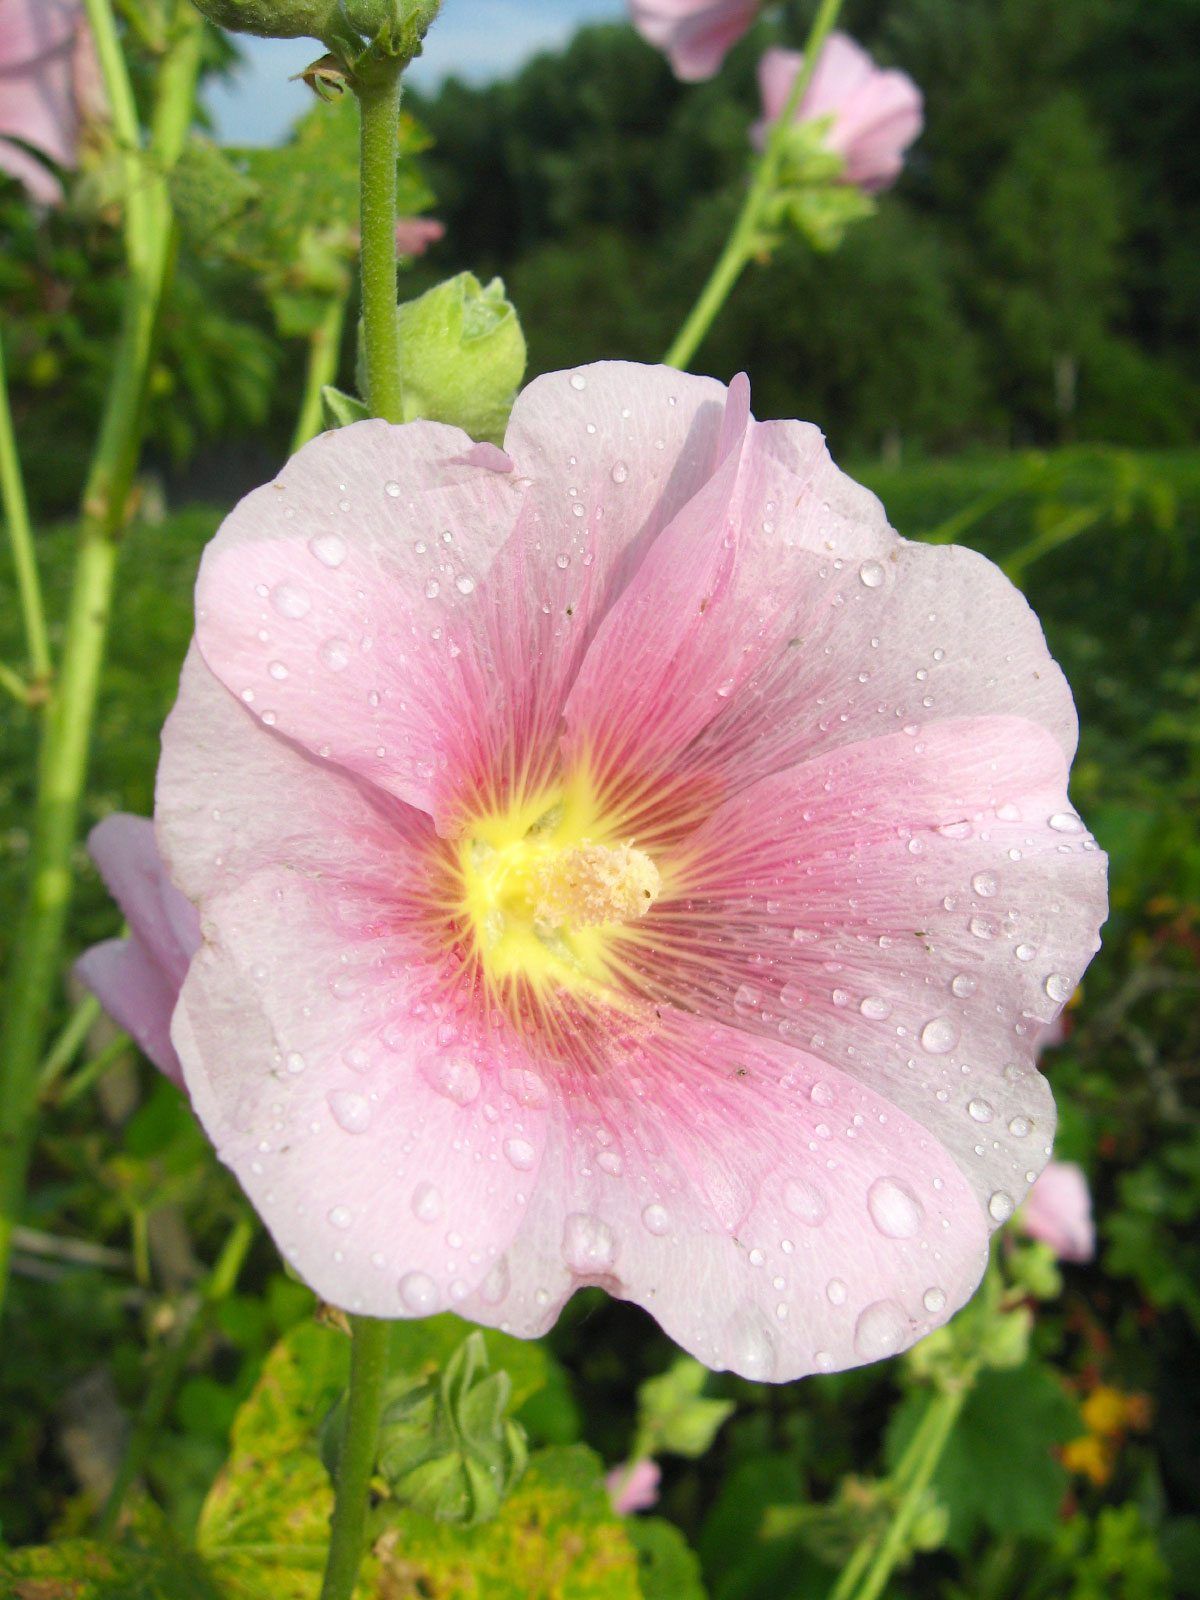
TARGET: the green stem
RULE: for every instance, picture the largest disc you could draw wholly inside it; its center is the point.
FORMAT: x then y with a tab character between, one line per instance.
216	1288
869	1568
92	1071
66	736
356	1458
69	1042
324	348
379	105
20	537
744	235
14	684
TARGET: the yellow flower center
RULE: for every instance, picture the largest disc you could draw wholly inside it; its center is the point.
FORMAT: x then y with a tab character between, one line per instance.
546	887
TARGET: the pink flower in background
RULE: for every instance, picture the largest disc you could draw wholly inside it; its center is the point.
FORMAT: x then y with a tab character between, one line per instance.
633	1488
138	978
49	84
414	235
695	35
875	115
622	860
1058	1211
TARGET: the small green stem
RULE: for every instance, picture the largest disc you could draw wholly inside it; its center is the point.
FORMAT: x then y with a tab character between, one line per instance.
216	1288
69	1042
92	1071
324	348
356	1458
379	107
743	237
14	684
20	537
866	1574
66	736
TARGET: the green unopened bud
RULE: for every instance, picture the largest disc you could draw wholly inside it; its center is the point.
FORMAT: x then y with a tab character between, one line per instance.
1005	1338
447	1447
274	19
462	356
673	1414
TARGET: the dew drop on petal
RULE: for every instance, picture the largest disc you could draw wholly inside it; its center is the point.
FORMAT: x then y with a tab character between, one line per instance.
880	1331
895	1209
1066	822
985	884
578	381
334	654
655	1219
295	1061
609	1161
341	1217
1000	1206
588	1245
821	1094
835	1292
351	1112
874	1008
495	1286
464	584
291	601
805	1201
520	1153
392	488
426	1202
871	574
620	472
1019	1127
938	1036
329	549
454	1076
1059	987
419	1292
934	1300
963	985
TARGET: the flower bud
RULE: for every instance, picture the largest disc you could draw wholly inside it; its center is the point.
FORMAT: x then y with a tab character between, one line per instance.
274	19
462	356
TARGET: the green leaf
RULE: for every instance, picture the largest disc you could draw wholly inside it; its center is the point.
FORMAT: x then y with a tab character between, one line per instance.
668	1569
84	1569
556	1538
999	1471
674	1416
338	408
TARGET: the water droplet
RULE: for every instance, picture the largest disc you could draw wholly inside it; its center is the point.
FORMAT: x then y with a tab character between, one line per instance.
526	1088
1000	1206
1066	822
1059	987
880	1330
392	488
963	985
295	1061
805	1201
351	1112
871	574
934	1300
588	1245
1019	1127
496	1285
426	1202
455	1076
419	1292
341	1216
655	1219
875	1008
980	1110
821	1094
985	884
609	1161
578	381
895	1209
835	1292
745	1000
334	654
1025	952
791	996
939	1036
464	584
619	472
984	927
756	1257
751	1348
290	601
521	1153
432	589
329	549
278	671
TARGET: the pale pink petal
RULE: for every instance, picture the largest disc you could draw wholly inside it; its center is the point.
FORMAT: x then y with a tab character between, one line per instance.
137	994
913	909
776	1217
633	1486
1058	1211
390	1150
843	69
47	85
414	235
695	35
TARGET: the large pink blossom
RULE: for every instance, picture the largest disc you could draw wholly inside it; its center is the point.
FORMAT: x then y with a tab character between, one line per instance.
875	115
49	82
694	35
1058	1211
622	860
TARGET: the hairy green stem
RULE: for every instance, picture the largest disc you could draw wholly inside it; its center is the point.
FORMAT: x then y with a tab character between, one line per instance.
324	347
356	1458
379	106
20	537
217	1287
744	235
66	737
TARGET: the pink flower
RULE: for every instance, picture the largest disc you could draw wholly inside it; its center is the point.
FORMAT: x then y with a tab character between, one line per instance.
695	35
611	854
414	235
875	115
49	84
633	1487
138	979
1058	1211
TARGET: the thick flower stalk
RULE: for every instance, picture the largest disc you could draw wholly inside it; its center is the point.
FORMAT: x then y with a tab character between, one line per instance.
49	86
622	860
868	116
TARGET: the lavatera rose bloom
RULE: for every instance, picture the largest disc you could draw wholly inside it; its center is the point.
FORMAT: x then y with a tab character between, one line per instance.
49	86
873	115
694	35
622	860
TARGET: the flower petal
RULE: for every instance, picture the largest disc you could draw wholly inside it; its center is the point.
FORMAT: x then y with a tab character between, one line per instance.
137	994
